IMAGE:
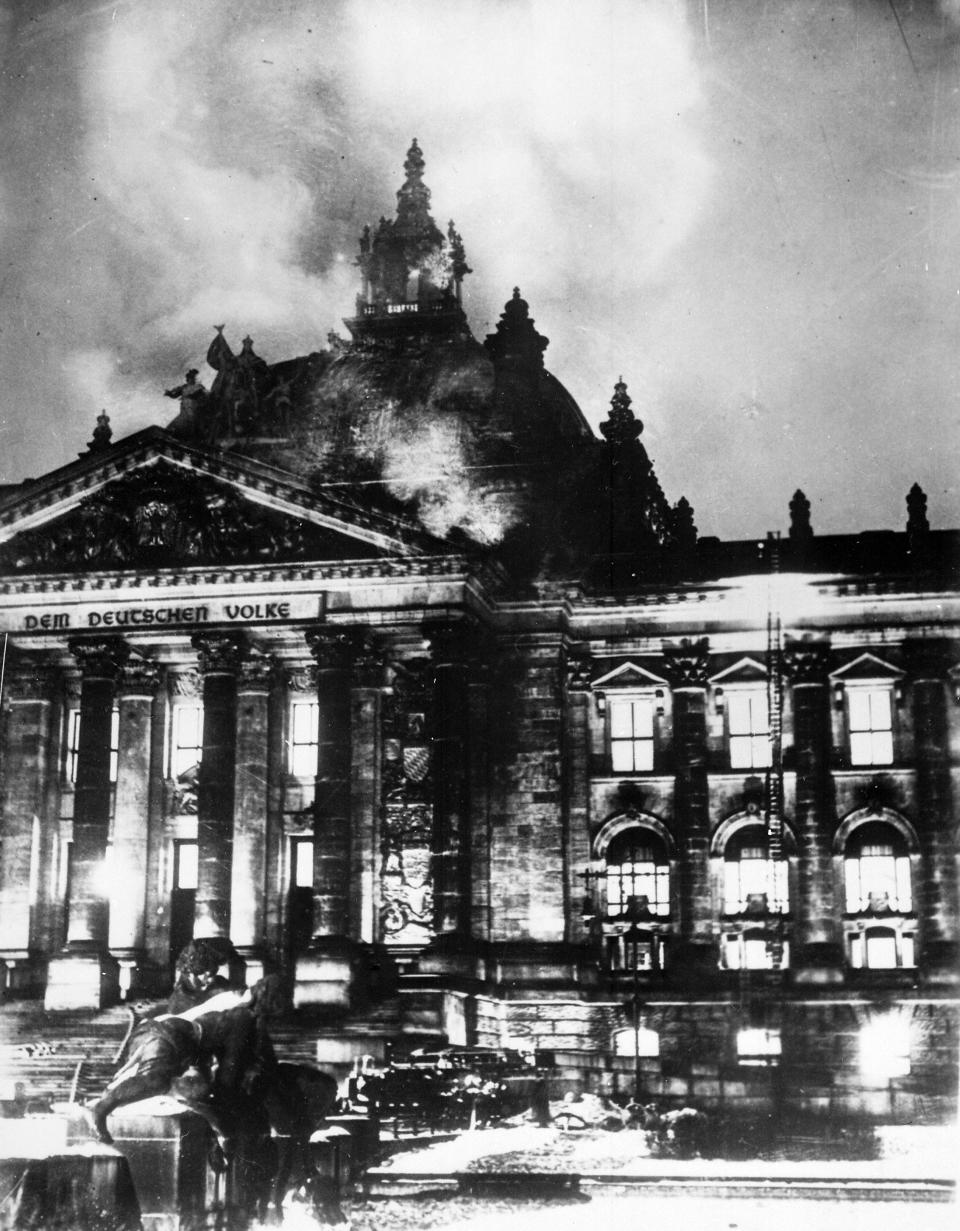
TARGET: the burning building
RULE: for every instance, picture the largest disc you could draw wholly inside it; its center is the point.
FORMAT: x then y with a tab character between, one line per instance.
380	663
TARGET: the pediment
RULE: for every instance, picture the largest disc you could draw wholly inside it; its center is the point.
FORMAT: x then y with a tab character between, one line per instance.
744	671
866	667
154	503
628	675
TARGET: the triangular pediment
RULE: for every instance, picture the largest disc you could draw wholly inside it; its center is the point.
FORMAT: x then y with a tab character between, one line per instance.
628	675
744	671
153	502
866	667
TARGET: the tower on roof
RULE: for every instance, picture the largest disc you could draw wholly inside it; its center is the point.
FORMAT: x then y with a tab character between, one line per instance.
411	272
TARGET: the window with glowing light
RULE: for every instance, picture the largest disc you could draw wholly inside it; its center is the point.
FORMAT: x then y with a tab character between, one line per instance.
757	1046
643	1043
631	726
877	871
885	1048
73	744
637	876
754	950
880	948
753	883
304	738
870	726
186	739
748	728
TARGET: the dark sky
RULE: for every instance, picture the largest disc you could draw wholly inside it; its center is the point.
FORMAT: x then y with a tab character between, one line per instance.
748	210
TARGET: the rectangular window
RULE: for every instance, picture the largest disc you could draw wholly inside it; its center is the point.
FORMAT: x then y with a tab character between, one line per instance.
871	726
73	744
749	729
302	863
758	1046
878	880
754	951
304	738
186	741
631	735
187	865
882	949
754	884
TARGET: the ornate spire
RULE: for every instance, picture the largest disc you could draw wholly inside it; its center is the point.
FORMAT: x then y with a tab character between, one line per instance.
800	527
102	434
622	427
516	342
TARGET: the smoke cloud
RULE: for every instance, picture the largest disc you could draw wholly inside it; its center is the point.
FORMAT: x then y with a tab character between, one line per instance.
747	211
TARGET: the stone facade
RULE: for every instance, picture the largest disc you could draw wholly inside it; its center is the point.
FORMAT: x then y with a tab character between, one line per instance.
522	773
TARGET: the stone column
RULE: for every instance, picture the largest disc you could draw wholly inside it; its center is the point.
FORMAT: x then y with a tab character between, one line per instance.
451	828
219	660
248	890
687	666
576	761
128	869
27	737
937	906
87	976
365	771
818	953
478	737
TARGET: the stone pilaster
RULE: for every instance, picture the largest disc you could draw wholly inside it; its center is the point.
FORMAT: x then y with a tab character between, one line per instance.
249	889
26	760
87	976
219	661
478	736
928	663
687	668
576	761
132	809
818	954
451	828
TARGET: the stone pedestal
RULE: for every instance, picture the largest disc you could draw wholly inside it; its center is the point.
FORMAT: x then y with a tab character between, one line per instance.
82	981
326	975
166	1148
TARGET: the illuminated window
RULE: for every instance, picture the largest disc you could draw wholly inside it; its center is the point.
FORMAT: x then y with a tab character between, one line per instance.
304	738
73	744
638	876
635	950
186	865
753	883
754	950
870	722
643	1043
877	871
881	948
758	1046
885	1048
186	741
631	734
302	863
748	727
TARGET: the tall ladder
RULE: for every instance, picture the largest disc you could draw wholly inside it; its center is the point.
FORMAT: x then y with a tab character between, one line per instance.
774	781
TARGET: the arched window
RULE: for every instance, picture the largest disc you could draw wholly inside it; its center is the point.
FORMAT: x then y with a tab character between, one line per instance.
877	870
637	876
753	883
882	948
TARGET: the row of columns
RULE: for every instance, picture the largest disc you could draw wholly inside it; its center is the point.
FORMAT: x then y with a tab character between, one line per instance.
233	799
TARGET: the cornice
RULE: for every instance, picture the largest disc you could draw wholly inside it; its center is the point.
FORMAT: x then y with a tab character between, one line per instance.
387	569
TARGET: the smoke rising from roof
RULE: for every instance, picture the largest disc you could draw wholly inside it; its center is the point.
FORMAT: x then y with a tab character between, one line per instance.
749	211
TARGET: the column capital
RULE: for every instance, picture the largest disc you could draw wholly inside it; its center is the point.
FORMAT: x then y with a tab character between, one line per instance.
807	661
218	653
140	678
256	672
687	662
30	681
577	672
101	658
354	649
